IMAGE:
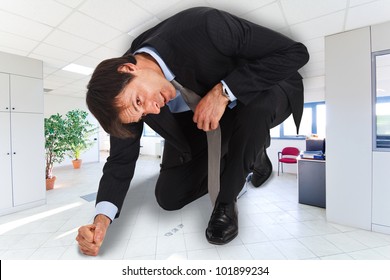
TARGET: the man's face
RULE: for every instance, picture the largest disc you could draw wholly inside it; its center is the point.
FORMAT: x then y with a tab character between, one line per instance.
145	94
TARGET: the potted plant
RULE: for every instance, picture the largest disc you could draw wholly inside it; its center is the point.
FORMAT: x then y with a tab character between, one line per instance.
55	145
79	132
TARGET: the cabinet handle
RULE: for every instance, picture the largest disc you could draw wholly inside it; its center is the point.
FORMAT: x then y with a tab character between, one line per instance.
6	108
13	108
14	153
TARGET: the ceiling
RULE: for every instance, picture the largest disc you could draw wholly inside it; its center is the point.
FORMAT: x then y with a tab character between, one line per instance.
85	32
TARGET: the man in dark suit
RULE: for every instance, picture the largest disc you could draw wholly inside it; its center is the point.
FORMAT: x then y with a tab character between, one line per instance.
247	78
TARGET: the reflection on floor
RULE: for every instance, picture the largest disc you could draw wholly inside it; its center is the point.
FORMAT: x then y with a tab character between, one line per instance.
272	224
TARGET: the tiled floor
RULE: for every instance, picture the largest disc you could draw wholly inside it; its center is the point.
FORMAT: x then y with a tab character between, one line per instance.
273	225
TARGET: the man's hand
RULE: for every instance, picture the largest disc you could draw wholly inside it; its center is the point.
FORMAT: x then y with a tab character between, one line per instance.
210	109
90	237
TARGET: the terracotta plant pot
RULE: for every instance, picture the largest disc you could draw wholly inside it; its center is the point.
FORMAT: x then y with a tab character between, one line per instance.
50	183
76	163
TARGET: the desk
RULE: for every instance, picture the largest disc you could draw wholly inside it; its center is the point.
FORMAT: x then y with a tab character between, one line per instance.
311	182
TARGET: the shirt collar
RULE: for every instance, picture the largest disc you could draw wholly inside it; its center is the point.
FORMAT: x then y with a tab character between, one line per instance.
153	52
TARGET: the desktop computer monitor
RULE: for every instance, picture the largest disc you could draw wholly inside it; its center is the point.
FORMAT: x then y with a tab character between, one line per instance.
315	145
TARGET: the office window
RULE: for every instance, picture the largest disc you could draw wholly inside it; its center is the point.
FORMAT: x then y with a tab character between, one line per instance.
381	92
306	122
313	122
321	120
149	132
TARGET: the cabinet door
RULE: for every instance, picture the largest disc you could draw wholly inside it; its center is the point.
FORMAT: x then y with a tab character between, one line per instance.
5	162
26	94
28	158
4	93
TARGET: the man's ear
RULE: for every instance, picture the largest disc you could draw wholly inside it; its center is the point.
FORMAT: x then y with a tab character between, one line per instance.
127	68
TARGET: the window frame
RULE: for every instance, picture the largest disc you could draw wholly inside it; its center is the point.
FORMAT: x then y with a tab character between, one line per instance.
376	100
313	106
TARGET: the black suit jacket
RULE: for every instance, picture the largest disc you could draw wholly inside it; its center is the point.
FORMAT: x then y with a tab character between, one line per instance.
203	46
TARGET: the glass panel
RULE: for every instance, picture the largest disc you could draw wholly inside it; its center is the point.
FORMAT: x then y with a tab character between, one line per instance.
289	127
148	131
382	100
306	122
321	120
275	132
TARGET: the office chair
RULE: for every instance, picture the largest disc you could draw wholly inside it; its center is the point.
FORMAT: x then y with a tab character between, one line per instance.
287	155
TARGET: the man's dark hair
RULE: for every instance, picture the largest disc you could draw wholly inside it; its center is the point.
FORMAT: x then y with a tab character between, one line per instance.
105	85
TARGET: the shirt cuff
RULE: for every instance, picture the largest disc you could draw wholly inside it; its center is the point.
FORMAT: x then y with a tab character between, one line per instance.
106	208
232	97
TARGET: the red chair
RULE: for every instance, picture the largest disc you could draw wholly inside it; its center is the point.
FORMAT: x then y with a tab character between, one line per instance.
287	155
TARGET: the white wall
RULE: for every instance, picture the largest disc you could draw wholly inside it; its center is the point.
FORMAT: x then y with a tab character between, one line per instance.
314	89
358	189
349	128
380	39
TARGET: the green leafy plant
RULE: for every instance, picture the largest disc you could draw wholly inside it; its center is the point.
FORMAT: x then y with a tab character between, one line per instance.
78	132
56	144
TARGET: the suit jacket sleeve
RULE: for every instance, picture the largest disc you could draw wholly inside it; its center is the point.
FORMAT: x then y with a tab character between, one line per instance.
264	57
119	169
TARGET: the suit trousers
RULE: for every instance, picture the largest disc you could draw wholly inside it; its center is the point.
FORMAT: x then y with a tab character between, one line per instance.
244	131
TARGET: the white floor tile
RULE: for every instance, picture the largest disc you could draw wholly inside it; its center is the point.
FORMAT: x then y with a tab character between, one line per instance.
344	242
302	215
9	241
18	254
293	249
337	257
236	252
194	225
320	246
197	241
272	225
73	253
275	232
32	241
249	235
172	256
368	254
321	227
60	239
50	226
150	257
119	231
281	217
141	247
53	253
298	230
384	251
207	254
368	238
261	219
264	251
170	244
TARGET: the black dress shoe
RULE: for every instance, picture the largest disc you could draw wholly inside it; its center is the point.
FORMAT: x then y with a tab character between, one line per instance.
262	169
223	224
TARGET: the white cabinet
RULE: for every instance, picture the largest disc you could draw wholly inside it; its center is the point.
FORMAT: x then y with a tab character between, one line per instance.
4	93
27	94
22	151
5	162
28	158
